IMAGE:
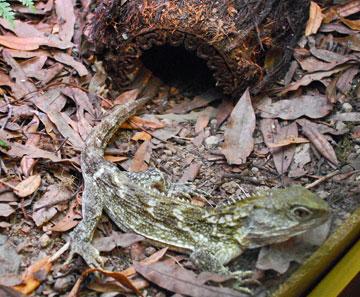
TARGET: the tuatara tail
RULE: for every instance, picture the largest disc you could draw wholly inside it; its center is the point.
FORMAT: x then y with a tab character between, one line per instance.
99	138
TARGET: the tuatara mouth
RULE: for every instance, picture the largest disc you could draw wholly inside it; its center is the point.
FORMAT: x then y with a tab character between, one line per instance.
243	43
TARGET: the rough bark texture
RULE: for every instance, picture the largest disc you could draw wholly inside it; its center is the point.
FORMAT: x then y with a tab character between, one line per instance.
232	36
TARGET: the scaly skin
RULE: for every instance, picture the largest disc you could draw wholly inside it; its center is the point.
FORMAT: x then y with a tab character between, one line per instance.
146	204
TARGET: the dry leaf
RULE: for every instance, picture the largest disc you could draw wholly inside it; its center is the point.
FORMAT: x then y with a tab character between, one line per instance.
238	138
345	10
315	19
274	133
69	60
34	275
287	141
9	292
59	120
141	158
115	159
119	276
141	136
202	122
116	239
179	280
347	117
66	18
313	106
127	96
71	219
223	112
30	43
136	122
190	172
318	140
301	158
20	150
28	186
6	210
309	78
198	101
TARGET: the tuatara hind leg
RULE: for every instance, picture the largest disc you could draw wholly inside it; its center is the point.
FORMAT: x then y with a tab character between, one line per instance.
82	235
156	180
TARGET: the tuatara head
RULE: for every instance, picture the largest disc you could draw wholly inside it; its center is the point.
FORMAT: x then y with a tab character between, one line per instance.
276	215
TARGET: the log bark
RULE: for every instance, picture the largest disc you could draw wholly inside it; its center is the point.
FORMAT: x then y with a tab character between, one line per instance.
234	37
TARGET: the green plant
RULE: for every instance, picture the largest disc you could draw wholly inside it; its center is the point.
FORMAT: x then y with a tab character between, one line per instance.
7	12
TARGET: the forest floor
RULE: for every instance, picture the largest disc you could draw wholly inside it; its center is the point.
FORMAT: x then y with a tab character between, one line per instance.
53	91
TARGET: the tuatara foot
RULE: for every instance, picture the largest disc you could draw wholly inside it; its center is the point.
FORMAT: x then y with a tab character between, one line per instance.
87	251
206	261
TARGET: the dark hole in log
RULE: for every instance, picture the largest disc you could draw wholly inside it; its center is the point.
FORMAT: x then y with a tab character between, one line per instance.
178	67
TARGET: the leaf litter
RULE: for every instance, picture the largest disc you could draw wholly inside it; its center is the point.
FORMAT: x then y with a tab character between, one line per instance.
302	130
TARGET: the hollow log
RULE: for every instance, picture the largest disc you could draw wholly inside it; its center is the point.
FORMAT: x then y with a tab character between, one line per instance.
234	38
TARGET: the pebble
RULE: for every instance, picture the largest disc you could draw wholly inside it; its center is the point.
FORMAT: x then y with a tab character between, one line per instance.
44	240
340	126
63	284
212	141
230	187
347	107
323	194
149	251
255	170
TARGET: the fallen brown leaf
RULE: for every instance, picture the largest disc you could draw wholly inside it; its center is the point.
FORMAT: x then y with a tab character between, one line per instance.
141	136
191	172
71	219
345	10
273	133
315	19
6	210
313	106
115	159
223	112
136	122
318	140
9	292
141	158
127	96
119	276
29	43
179	280
238	138
287	141
34	275
66	18
20	150
347	117
309	78
28	186
198	101
116	239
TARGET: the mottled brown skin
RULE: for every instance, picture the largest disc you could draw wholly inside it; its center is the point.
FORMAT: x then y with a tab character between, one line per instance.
146	204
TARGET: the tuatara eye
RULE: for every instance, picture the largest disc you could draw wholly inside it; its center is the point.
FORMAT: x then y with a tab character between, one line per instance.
301	212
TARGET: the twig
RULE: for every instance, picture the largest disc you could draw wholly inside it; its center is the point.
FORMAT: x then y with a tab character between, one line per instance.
322	179
61	145
62	250
9	114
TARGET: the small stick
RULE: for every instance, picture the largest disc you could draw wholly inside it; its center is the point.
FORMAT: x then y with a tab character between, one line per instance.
322	179
9	108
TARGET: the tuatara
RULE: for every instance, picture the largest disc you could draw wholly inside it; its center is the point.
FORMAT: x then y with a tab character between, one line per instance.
146	204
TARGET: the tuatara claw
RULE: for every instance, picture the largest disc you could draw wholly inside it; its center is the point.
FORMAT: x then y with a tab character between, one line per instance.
88	252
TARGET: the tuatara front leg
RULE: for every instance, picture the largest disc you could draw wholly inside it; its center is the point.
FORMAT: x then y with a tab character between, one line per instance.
208	260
